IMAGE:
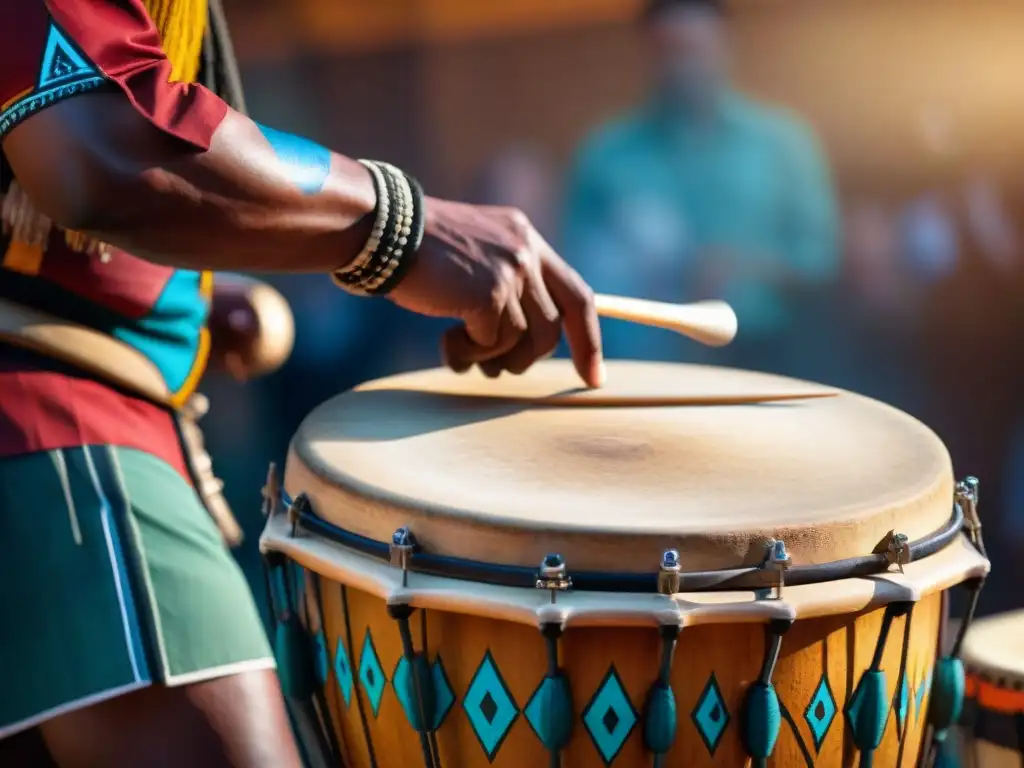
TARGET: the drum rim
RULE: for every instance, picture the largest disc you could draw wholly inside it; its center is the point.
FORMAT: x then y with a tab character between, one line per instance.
759	577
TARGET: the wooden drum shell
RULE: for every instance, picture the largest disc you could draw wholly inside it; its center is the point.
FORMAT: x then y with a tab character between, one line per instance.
838	647
346	599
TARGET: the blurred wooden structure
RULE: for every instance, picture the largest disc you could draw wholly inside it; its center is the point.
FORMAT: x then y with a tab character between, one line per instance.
441	85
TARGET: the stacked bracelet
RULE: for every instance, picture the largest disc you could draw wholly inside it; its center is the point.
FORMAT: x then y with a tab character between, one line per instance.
396	235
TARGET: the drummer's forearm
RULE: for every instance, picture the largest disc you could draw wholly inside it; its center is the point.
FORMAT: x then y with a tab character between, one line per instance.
257	200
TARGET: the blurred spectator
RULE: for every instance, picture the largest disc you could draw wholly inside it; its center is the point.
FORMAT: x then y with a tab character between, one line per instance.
703	192
877	316
960	236
525	178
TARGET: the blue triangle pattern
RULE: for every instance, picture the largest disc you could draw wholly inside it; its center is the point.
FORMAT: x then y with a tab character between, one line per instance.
62	61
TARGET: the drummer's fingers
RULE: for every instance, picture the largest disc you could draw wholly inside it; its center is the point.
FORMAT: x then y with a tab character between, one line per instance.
486	323
575	301
460	351
541	338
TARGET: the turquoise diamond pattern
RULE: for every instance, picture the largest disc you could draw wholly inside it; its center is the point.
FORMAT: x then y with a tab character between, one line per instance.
820	712
343	672
922	691
490	707
610	717
901	702
444	697
711	715
371	675
320	656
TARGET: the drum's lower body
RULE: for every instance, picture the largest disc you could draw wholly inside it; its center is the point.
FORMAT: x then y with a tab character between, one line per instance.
992	732
486	672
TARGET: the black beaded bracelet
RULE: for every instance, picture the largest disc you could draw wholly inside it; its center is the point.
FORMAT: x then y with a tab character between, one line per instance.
396	235
413	241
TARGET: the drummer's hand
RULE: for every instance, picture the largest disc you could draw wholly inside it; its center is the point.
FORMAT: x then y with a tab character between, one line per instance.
489	268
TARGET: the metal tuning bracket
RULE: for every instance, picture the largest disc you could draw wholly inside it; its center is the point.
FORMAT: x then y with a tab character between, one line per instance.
669	575
553	576
966	495
898	551
299	505
271	492
778	561
401	550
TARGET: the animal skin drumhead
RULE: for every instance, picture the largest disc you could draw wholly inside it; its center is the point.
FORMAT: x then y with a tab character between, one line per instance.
994	648
710	461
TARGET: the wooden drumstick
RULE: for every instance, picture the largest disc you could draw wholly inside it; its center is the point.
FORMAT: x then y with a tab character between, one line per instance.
709	322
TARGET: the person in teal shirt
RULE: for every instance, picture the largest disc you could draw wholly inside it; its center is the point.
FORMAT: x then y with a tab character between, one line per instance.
703	193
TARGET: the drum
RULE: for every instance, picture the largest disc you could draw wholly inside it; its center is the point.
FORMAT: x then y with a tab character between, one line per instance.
994	655
689	567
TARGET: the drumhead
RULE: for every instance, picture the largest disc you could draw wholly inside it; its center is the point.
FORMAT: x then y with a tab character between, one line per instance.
507	471
993	647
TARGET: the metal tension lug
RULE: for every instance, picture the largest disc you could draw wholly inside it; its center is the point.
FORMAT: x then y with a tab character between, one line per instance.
967	497
553	576
669	575
299	505
779	561
898	551
401	550
271	492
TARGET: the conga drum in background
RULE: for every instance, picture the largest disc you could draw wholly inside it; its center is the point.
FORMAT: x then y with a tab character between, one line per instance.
689	567
993	653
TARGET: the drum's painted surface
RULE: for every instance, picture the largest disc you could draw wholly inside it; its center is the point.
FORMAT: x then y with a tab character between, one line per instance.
492	669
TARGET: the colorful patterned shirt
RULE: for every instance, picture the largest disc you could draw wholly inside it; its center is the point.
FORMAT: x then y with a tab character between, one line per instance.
51	51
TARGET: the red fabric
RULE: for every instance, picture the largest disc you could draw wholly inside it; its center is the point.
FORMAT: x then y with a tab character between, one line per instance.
117	37
47	406
125	284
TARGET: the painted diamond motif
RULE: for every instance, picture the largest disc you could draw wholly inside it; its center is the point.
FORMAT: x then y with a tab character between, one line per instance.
320	656
610	716
490	707
371	675
901	702
444	698
922	691
343	672
821	712
711	715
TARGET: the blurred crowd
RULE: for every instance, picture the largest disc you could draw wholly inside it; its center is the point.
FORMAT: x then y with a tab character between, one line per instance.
908	293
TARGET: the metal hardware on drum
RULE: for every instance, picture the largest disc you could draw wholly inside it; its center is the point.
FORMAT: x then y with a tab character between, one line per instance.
778	562
553	576
403	547
668	578
764	576
898	553
297	509
967	498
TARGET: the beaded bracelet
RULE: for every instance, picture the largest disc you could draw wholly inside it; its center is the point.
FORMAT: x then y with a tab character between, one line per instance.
397	233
